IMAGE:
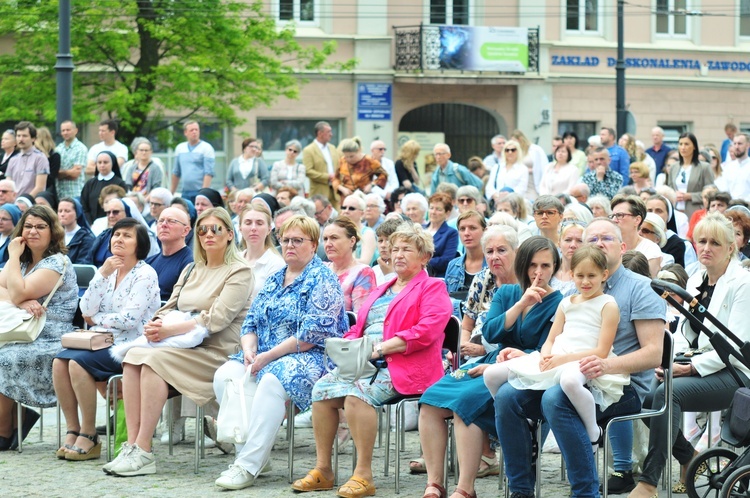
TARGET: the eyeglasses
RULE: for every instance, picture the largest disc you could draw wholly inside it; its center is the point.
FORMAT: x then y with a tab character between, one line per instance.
38	228
293	150
203	229
293	242
170	221
114	212
511	150
156	204
253	146
604	238
383	149
466	200
647	231
373	206
6	219
349	208
5	192
144	150
548	214
619	216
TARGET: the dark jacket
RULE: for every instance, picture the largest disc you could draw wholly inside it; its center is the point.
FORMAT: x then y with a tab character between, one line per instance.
446	247
79	249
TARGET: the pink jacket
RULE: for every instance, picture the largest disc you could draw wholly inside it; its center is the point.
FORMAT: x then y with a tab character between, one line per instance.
418	315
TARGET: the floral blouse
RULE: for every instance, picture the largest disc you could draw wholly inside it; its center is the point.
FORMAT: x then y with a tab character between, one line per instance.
356	283
127	308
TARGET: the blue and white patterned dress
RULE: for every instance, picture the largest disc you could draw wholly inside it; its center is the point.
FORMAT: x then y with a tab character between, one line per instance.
26	369
311	309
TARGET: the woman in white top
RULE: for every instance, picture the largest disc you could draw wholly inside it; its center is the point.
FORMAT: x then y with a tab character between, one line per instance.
511	173
288	172
561	175
264	259
535	160
628	213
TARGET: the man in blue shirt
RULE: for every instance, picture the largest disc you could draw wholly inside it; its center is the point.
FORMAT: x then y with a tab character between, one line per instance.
450	172
172	227
194	163
619	158
638	346
659	150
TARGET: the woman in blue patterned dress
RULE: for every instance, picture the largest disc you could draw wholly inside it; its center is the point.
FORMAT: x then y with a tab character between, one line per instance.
122	297
36	259
283	340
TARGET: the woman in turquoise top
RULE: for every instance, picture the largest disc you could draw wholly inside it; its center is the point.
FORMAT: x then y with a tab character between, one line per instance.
520	317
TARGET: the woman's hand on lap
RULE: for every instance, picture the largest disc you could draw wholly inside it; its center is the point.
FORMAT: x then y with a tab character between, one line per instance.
249	357
32	307
508	354
478	371
152	331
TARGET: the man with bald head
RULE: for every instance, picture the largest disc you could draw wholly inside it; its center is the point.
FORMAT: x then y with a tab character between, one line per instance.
172	226
7	192
659	150
377	152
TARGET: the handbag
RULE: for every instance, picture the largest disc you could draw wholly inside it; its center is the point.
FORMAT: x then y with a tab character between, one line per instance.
233	420
20	326
88	340
739	417
352	357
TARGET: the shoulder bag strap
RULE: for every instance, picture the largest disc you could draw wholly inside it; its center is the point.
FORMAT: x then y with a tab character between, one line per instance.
142	173
57	285
187	275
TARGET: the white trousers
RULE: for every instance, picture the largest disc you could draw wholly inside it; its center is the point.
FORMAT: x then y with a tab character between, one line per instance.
266	416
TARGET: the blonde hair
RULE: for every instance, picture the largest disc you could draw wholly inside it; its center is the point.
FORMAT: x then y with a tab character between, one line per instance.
409	152
305	224
718	227
351	145
262	209
231	254
415	235
44	141
523	142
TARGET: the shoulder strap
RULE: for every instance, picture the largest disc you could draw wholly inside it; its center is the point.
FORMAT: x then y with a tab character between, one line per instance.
458	173
142	173
57	285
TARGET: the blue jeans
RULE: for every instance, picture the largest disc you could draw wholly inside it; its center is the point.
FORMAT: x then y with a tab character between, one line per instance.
621	441
512	409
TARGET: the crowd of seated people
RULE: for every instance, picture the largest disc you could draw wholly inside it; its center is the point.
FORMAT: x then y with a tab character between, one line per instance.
263	275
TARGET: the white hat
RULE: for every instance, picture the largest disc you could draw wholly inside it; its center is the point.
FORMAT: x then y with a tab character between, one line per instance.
659	227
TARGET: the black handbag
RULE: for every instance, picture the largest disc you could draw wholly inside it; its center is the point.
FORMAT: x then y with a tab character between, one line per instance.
739	417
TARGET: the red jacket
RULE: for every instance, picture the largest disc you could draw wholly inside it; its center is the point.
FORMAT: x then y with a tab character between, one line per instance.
418	315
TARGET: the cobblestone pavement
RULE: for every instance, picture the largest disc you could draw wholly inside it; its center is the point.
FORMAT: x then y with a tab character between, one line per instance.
36	471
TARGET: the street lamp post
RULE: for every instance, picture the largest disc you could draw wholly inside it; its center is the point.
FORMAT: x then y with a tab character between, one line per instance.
64	67
620	71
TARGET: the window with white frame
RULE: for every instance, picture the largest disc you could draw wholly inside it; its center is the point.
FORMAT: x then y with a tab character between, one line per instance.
302	11
582	16
672	18
745	18
449	11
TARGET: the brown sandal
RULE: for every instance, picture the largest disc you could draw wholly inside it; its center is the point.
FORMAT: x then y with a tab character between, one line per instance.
313	481
442	494
356	487
465	494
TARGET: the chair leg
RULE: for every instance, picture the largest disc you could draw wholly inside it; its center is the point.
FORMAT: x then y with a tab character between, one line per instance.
41	425
170	423
59	427
200	446
111	396
387	441
335	461
290	438
20	428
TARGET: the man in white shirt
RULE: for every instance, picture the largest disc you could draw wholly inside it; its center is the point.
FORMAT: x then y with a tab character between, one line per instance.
377	152
107	133
737	171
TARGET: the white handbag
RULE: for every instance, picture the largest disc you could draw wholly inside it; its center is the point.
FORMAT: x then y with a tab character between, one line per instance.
352	357
233	421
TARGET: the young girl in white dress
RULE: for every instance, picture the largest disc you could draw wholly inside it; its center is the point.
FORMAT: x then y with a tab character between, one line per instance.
585	325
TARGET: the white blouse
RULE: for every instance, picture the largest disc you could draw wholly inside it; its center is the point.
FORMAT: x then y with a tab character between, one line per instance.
127	308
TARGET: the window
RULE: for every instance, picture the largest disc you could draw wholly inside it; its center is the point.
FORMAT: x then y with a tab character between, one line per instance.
673	131
582	16
449	11
583	129
297	10
745	18
275	133
671	17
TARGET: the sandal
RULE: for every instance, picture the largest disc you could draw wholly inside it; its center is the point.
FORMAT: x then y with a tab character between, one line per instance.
417	466
492	468
464	493
356	487
313	481
77	454
60	454
441	491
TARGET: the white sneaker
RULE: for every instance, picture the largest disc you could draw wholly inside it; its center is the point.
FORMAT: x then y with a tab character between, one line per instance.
125	449
235	478
178	431
303	419
267	467
136	463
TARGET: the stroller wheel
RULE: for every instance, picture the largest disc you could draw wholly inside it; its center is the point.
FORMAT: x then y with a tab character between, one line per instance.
737	484
707	472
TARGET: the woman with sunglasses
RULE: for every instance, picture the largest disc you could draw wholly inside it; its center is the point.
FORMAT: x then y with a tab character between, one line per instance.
512	172
215	291
288	172
282	342
366	251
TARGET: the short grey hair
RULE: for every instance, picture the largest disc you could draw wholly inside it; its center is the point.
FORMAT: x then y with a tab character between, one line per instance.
469	191
506	232
442	145
294	143
138	141
307	206
496	138
417	198
375	199
602	201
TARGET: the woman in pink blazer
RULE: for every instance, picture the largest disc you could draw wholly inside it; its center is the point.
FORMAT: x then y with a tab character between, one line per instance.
407	316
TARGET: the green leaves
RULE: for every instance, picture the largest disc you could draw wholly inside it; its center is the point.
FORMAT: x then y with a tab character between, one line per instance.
144	61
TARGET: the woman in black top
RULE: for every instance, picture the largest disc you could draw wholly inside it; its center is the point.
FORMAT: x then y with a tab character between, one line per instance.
107	173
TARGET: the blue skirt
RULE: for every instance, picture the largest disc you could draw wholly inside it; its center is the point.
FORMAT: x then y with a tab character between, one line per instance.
468	397
99	364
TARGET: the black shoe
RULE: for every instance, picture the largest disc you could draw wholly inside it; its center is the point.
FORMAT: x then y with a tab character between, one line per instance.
520	495
102	429
619	482
29	420
5	443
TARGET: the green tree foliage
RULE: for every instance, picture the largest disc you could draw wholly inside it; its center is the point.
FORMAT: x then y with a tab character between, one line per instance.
147	61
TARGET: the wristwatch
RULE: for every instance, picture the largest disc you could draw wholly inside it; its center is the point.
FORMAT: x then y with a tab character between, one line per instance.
379	350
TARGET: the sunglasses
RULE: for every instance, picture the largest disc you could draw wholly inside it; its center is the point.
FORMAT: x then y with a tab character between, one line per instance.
114	212
349	208
203	229
647	231
293	150
511	150
465	200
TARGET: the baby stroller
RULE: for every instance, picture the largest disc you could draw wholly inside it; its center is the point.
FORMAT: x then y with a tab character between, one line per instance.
719	472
